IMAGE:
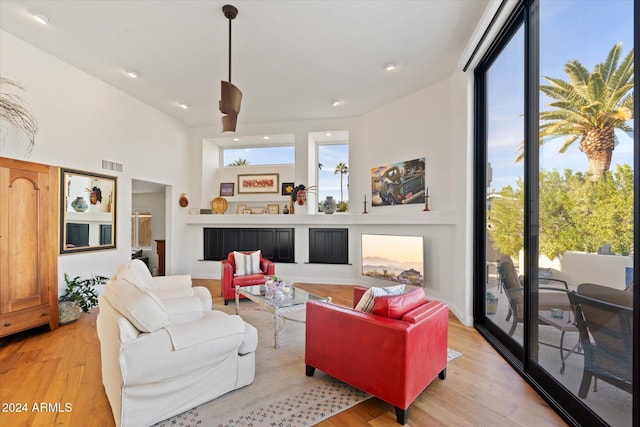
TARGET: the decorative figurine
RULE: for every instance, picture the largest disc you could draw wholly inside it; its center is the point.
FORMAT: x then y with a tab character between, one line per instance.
365	204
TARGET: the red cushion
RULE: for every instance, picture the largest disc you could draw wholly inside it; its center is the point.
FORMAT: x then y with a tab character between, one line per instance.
395	306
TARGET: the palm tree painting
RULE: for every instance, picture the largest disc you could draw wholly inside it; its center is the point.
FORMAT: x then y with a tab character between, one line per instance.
342	169
590	107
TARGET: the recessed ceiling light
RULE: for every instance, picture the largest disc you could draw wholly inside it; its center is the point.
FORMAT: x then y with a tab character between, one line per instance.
39	18
390	67
337	103
132	74
183	105
327	134
236	139
266	137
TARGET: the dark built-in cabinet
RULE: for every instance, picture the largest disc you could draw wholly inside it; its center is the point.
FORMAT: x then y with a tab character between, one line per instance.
276	244
77	235
329	245
105	234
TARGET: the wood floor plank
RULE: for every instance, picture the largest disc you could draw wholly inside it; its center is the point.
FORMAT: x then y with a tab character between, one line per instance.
63	366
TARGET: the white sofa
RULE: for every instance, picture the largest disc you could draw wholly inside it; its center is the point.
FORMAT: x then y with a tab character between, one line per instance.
164	356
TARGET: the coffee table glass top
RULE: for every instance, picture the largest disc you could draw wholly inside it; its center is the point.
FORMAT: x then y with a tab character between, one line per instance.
294	297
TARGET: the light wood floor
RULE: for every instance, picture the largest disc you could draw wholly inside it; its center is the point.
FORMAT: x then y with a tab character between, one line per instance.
61	369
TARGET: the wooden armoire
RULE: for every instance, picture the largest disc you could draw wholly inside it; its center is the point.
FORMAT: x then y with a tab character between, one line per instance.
28	246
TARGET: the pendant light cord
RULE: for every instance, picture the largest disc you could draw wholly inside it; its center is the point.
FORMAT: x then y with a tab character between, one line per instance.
229	50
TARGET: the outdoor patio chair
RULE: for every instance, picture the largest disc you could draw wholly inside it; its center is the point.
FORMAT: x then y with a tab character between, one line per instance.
555	298
604	317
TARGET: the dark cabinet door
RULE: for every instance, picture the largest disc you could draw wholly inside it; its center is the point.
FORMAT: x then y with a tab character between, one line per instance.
213	244
77	235
276	244
284	244
329	245
105	234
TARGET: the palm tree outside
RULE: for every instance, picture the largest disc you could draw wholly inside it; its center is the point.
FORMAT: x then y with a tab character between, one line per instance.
341	169
590	107
239	162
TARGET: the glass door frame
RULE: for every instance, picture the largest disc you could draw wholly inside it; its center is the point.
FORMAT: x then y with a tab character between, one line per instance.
568	405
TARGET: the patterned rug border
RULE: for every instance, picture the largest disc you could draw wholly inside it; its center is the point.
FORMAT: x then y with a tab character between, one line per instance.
304	409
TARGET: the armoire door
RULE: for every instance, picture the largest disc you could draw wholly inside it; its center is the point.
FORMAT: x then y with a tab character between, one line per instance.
28	245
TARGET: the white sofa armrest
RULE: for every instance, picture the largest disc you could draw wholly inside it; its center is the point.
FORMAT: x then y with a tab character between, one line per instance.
168	282
205	296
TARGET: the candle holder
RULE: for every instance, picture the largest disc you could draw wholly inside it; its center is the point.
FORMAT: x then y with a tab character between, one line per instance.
365	207
426	204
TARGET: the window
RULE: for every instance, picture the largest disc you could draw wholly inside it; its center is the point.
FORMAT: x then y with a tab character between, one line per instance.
258	156
333	174
555	172
141	229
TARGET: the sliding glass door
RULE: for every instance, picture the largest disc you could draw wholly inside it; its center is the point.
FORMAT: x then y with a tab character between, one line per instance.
556	225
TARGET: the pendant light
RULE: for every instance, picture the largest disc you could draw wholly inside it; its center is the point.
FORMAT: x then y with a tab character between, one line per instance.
230	95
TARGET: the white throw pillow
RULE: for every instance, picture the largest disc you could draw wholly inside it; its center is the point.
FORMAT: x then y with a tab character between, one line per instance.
247	263
366	302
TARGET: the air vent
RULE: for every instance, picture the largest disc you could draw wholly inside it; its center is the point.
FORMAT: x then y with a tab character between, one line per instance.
112	166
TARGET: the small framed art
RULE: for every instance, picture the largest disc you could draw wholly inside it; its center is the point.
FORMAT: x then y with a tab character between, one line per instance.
242	208
226	189
273	209
287	188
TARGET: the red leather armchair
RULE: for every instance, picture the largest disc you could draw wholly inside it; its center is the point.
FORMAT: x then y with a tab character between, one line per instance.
393	358
229	281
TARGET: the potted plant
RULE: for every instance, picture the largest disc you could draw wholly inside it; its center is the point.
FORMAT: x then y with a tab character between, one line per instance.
80	295
492	303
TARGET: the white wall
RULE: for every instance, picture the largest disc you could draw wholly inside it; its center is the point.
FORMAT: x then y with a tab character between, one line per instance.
83	121
580	267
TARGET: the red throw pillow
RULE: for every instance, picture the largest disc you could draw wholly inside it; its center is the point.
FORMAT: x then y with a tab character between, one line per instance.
395	306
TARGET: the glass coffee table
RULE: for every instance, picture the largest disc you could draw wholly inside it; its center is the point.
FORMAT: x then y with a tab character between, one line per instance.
279	305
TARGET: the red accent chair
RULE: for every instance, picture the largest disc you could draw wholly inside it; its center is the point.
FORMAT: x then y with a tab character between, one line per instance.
230	281
393	355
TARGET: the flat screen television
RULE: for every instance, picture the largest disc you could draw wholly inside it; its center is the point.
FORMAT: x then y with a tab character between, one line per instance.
395	258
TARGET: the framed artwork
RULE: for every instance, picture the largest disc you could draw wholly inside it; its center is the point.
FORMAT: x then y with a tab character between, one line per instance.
273	209
226	189
287	188
246	211
241	209
399	183
257	210
258	184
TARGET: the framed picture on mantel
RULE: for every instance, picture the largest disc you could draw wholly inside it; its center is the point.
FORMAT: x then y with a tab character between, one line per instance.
226	189
258	184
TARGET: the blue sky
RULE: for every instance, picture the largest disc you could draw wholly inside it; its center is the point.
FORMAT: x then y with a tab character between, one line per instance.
330	156
569	29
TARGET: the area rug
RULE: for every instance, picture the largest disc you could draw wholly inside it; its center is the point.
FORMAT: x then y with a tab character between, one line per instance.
281	394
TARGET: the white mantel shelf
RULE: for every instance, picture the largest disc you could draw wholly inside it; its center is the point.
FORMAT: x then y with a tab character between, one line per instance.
89	216
421	218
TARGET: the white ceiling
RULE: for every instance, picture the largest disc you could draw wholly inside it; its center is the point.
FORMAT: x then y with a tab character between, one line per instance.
291	59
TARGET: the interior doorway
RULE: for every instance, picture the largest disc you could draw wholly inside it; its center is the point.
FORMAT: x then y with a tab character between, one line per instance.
148	223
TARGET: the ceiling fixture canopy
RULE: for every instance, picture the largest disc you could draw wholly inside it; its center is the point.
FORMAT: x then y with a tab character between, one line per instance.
231	96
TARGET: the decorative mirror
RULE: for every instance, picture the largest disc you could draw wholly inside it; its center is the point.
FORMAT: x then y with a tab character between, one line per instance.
87	211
